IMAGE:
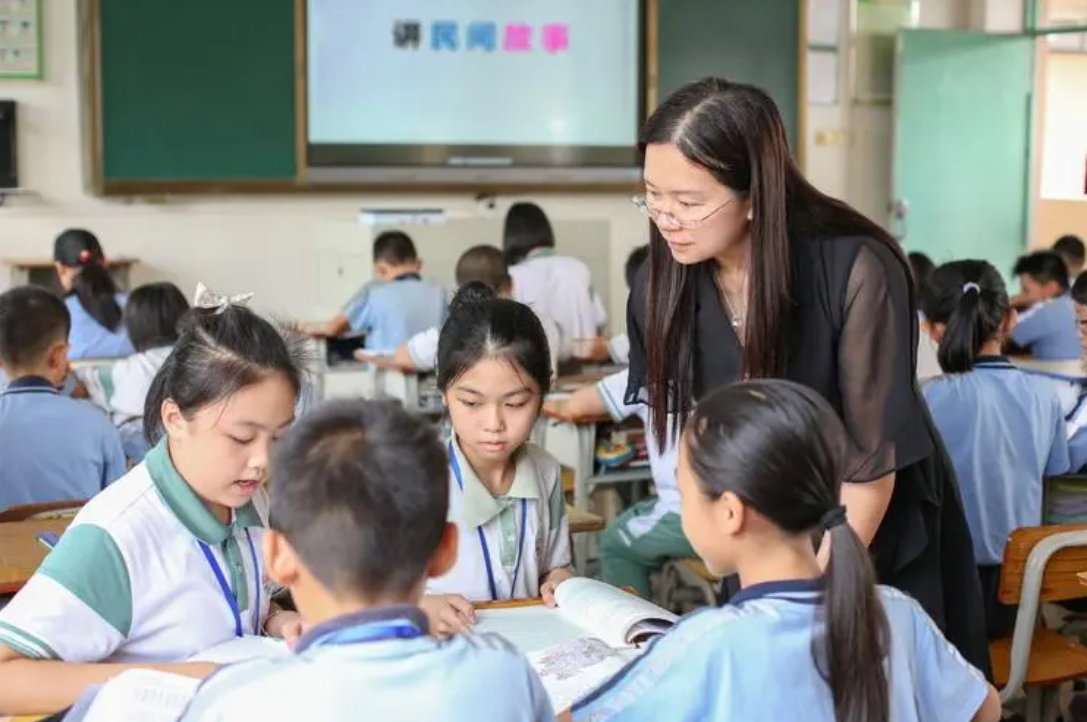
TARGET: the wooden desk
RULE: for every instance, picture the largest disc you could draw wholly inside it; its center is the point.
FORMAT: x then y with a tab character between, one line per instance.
20	551
582	522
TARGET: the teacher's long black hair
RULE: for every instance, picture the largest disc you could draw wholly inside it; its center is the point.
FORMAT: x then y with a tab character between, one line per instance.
736	133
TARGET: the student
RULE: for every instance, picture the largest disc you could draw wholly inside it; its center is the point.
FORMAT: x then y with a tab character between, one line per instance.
505	494
1003	428
1077	418
1071	249
487	265
760	465
922	267
549	283
359	523
617	348
641	539
397	305
52	448
91	296
1047	329
163	565
152	319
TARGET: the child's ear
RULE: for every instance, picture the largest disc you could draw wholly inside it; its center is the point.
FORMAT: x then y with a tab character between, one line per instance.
57	357
280	560
1010	320
731	513
446	555
173	421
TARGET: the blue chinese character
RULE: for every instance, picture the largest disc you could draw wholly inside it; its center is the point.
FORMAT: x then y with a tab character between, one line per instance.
482	35
443	35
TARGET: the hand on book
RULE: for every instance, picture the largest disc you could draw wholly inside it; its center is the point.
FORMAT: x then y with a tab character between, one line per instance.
448	614
551	582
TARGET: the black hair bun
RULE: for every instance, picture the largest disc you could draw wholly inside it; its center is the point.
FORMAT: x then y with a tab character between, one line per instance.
471	294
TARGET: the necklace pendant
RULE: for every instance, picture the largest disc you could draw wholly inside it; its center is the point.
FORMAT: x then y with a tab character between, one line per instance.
736	323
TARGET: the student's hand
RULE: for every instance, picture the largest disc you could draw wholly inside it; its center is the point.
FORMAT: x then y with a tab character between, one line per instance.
287	626
551	582
448	614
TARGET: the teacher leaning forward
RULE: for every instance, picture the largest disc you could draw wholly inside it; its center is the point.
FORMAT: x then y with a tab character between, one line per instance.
754	273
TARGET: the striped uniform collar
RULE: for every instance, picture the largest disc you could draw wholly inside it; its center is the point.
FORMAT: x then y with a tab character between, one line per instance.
795	590
30	384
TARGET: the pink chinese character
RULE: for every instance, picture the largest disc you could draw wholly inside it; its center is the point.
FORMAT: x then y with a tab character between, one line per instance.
556	38
518	38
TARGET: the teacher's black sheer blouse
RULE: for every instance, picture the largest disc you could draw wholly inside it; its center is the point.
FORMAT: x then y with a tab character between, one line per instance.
853	338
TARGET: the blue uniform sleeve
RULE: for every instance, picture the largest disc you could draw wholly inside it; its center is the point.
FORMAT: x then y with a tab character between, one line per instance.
1031	327
359	311
116	463
1059	461
946	686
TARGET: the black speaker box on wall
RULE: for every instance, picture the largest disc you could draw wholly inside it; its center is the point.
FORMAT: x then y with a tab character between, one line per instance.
9	175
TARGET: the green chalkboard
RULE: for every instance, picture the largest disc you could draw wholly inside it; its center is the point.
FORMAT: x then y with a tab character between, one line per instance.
751	41
200	95
196	91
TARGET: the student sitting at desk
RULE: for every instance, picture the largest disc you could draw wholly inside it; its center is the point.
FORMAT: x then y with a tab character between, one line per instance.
649	533
52	448
1077	419
152	318
358	525
617	348
1004	429
92	298
1047	329
163	564
394	307
760	470
505	494
487	265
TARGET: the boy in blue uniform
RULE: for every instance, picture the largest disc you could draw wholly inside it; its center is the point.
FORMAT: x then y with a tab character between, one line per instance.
358	522
394	307
52	448
1047	329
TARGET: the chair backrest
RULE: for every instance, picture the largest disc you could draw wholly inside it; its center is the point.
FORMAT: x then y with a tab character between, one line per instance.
48	510
1060	578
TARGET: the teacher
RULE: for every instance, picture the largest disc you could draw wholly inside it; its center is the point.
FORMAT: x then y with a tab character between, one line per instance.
753	273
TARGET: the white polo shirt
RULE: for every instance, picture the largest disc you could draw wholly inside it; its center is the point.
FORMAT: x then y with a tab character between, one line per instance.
121	387
560	287
130	582
524	534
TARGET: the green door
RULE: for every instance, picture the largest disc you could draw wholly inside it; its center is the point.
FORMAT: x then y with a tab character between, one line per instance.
962	145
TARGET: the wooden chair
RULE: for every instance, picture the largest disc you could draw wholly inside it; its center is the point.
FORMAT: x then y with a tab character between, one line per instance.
678	575
1041	564
47	510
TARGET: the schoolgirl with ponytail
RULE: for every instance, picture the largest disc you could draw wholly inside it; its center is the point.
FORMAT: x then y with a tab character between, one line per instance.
760	469
92	297
1003	428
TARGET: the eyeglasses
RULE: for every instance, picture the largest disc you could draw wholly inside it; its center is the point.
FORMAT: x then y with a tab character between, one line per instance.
679	221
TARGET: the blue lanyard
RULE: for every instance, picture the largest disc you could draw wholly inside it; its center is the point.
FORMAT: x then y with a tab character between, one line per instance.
373	632
483	539
231	599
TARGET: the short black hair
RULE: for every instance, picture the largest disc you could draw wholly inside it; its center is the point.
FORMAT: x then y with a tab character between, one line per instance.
485	264
395	247
31	320
1043	267
1072	248
526	229
360	489
635	261
1079	290
922	267
153	315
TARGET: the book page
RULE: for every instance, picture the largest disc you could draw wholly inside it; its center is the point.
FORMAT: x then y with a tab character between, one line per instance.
243	649
609	613
572	670
139	695
530	629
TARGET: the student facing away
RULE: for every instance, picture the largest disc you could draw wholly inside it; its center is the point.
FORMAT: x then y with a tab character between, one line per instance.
921	267
487	265
505	494
1003	428
396	305
1077	419
52	447
760	469
163	564
92	297
1072	250
551	284
358	524
1047	328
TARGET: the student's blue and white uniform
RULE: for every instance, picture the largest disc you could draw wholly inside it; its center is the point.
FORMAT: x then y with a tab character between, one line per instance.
379	664
720	663
1048	330
1004	431
391	312
90	339
53	448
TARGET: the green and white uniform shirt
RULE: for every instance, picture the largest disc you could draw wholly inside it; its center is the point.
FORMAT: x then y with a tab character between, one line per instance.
130	580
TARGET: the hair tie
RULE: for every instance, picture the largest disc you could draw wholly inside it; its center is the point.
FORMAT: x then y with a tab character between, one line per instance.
85	255
968	287
207	299
834	517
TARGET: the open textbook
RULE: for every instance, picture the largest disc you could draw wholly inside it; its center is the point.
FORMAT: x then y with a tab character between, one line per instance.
138	695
